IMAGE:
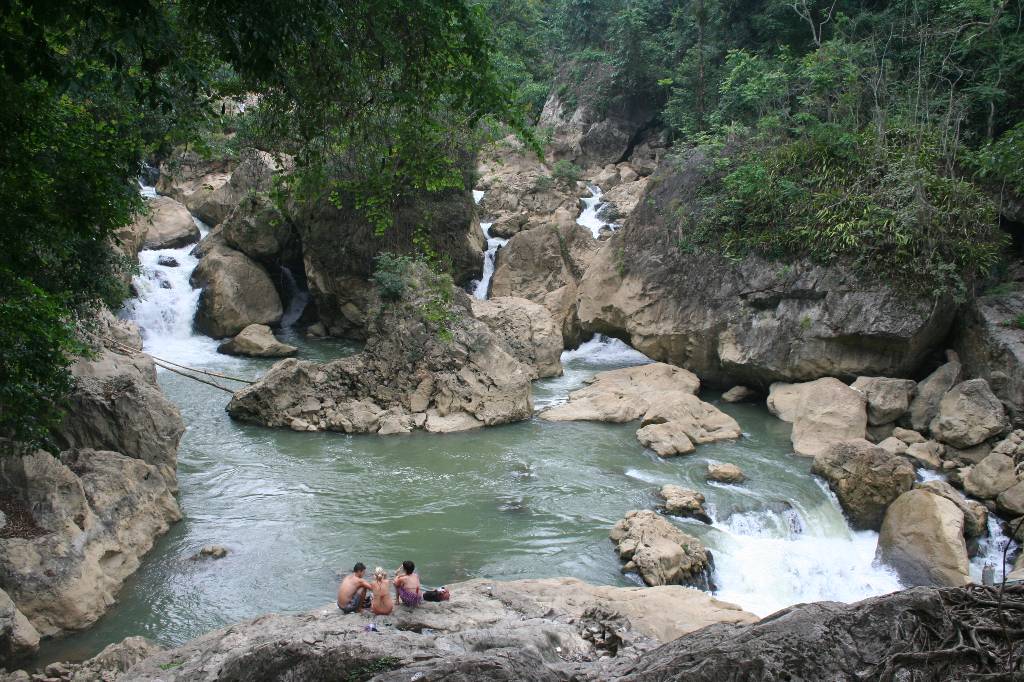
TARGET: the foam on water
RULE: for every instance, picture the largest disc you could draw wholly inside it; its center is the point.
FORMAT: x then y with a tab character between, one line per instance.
481	287
768	560
598	354
478	195
605	350
991	551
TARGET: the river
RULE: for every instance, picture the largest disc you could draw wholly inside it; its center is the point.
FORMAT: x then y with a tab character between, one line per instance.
526	500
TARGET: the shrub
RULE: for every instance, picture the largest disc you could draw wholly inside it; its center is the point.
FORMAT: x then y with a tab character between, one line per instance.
390	275
566	171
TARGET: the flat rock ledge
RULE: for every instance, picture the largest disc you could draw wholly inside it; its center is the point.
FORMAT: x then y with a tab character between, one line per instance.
672	418
549	629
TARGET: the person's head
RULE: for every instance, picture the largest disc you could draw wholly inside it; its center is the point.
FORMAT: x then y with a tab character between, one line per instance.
380	574
359	569
408	567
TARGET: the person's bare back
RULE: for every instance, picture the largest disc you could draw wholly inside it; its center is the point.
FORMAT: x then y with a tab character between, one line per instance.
382	603
352	590
407	585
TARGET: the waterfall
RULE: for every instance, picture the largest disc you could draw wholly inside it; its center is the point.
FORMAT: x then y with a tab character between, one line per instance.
990	551
768	559
591	205
166	303
297	298
481	287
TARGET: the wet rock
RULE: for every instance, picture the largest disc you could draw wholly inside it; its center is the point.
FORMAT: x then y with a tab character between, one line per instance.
665	439
509	225
624	199
865	478
725	473
990	477
1011	500
975	513
211	552
168	224
1012	445
409	369
257	228
682	413
925	405
101	511
18	639
659	552
968	455
922	537
237	292
969	414
827	411
254	174
526	629
739	394
681	501
258	341
167	261
888	399
528	330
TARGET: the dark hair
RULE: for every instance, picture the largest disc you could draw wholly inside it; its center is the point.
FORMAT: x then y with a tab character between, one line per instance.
360	566
409	567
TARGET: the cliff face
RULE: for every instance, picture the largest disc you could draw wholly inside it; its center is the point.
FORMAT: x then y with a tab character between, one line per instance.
754	321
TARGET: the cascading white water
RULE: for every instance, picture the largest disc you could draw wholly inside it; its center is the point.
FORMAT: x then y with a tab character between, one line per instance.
991	551
297	298
482	287
166	304
597	354
591	205
767	560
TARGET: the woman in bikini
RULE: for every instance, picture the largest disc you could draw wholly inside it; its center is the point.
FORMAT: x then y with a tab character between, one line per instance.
407	585
382	603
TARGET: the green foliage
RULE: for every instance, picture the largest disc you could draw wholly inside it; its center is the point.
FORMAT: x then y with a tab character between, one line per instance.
821	192
365	672
389	275
418	281
566	171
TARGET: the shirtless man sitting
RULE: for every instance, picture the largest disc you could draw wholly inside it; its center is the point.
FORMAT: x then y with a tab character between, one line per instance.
352	593
407	585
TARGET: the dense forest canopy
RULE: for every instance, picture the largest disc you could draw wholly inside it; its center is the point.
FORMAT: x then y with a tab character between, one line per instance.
880	133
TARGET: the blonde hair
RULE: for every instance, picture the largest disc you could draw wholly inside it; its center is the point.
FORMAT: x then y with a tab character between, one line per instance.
380	574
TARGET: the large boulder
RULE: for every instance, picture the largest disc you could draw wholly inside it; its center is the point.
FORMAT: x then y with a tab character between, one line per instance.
545	265
925	405
922	537
546	629
969	414
257	228
519	188
659	552
975	513
865	478
888	399
528	330
993	350
191	179
827	411
95	513
237	292
168	224
753	320
18	638
257	341
990	477
411	374
681	501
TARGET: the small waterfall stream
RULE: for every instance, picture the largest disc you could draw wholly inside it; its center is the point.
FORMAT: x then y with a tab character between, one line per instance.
482	287
589	216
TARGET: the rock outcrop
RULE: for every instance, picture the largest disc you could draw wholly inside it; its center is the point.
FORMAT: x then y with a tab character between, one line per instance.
975	513
725	473
672	418
888	399
753	321
993	349
681	501
922	537
969	414
411	374
257	228
865	478
925	405
990	477
237	291
528	330
545	265
831	641
165	224
660	553
552	629
18	638
257	341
